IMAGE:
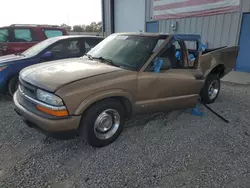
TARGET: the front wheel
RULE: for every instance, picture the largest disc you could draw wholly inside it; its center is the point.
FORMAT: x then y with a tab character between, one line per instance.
103	123
13	85
211	89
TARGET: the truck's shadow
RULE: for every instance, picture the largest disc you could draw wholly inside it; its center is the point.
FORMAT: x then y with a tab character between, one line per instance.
4	98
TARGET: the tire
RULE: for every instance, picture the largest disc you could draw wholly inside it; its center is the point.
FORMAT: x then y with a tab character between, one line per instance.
96	135
13	85
209	95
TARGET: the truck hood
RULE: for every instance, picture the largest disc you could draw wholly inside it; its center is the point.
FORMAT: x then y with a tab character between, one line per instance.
6	59
53	75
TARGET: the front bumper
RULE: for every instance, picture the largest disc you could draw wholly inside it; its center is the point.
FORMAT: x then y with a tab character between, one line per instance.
48	126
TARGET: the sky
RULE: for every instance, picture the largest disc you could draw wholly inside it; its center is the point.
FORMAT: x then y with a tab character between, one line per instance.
57	12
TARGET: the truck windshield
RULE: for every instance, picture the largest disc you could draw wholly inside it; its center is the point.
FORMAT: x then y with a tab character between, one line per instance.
36	49
131	51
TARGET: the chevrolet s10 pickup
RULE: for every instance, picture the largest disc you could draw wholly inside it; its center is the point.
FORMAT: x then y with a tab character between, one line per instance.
125	74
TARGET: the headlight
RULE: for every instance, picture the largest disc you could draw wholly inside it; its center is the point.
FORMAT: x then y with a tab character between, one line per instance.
2	68
48	98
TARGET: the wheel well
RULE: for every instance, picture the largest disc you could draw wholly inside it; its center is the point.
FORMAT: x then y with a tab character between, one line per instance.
220	70
127	105
11	77
123	100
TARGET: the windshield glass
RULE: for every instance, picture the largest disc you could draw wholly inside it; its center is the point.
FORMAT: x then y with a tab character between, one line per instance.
126	51
36	49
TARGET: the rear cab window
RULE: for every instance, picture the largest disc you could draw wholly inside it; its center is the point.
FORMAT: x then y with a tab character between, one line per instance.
4	35
90	43
193	50
67	48
52	33
22	35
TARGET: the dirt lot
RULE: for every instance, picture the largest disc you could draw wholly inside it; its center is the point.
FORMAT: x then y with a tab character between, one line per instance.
159	150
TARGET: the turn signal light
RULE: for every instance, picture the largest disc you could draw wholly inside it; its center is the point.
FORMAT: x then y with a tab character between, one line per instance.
58	113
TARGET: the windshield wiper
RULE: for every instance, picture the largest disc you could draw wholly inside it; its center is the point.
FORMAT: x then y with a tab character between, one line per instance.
107	60
101	59
20	54
89	56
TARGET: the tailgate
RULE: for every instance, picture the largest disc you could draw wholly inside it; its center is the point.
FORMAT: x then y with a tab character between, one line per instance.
225	56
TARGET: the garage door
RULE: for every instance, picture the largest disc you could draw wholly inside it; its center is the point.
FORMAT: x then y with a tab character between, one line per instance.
243	63
152	27
129	15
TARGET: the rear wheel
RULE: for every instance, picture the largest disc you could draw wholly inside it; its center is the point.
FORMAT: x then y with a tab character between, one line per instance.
13	85
103	123
211	89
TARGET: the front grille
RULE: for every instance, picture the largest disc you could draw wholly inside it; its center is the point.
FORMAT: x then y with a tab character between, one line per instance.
27	89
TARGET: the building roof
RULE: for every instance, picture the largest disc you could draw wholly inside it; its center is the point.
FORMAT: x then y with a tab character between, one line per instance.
77	36
163	35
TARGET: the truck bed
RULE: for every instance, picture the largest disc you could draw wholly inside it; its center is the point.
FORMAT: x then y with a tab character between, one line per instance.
212	49
191	51
225	57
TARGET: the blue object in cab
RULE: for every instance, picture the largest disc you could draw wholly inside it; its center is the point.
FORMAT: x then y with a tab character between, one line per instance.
203	47
55	48
157	65
178	55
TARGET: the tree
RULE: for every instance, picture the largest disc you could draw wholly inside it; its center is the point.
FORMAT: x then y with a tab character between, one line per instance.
99	27
94	27
66	27
78	28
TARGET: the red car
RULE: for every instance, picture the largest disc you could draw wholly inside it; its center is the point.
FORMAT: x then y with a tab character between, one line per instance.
18	38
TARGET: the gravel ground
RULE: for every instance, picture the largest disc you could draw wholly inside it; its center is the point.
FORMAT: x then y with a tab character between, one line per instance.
159	150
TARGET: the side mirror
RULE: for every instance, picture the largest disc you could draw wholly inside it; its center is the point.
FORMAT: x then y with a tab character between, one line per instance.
47	55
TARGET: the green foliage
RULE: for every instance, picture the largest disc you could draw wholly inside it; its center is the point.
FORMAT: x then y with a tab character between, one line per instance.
67	27
93	27
78	28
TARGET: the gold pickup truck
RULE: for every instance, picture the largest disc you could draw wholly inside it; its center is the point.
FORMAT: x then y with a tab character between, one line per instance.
125	74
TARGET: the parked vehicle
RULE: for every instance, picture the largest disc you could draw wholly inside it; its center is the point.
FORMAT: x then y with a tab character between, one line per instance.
55	48
124	74
18	38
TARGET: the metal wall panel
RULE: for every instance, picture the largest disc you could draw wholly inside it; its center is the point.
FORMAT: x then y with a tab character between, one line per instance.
216	31
149	10
245	5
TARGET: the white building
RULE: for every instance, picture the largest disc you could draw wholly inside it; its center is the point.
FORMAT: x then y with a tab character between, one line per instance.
227	26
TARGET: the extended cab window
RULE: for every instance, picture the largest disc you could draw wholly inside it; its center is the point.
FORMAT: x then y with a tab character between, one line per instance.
52	33
4	35
22	35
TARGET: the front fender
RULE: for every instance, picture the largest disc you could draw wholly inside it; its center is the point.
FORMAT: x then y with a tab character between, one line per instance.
88	101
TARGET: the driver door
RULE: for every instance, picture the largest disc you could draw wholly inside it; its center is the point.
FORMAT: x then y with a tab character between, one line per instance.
173	87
